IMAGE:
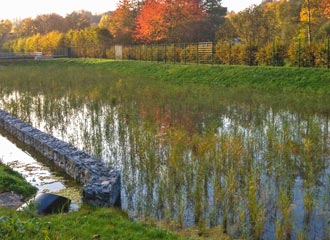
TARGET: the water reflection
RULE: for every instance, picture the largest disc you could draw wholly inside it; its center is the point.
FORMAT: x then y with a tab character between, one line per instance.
33	171
258	169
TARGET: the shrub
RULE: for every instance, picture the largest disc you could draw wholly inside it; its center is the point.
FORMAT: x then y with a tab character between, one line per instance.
271	55
190	54
223	52
313	55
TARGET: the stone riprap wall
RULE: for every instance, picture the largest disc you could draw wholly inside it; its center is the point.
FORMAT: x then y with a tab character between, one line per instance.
101	184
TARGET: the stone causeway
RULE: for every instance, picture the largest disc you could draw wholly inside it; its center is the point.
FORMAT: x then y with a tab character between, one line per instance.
101	184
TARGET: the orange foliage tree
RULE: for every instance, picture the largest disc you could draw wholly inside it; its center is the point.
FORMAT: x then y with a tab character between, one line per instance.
151	23
168	20
325	5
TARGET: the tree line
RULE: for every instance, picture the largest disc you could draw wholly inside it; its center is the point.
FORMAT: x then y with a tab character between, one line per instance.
271	32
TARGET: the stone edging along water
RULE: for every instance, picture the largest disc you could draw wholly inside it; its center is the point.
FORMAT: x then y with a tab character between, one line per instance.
101	184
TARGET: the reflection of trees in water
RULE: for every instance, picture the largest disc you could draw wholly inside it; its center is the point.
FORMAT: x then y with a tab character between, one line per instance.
202	156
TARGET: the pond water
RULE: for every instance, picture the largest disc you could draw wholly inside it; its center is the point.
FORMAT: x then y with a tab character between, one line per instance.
255	163
32	170
35	169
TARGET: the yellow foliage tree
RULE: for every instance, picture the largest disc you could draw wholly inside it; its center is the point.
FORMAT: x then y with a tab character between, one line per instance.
309	14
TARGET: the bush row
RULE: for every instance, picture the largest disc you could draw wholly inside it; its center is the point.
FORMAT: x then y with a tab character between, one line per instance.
272	54
93	43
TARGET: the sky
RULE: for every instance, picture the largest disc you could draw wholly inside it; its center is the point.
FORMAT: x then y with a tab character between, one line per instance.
239	5
20	9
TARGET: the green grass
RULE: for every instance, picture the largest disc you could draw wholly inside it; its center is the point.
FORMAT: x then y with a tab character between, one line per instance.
13	181
265	78
87	223
315	80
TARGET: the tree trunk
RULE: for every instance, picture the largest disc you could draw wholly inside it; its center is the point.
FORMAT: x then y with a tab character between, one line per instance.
309	22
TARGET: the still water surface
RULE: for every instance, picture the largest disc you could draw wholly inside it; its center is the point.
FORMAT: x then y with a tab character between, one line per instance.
37	170
32	170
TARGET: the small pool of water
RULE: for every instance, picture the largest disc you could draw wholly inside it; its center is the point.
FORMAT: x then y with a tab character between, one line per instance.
34	169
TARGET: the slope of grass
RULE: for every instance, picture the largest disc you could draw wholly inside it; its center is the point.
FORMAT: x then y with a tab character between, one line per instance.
87	223
265	78
272	78
13	181
316	80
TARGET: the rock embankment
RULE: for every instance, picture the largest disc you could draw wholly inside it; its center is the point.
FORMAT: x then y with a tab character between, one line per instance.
101	184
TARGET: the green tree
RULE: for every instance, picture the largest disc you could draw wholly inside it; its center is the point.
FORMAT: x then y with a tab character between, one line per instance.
250	25
227	31
215	17
287	19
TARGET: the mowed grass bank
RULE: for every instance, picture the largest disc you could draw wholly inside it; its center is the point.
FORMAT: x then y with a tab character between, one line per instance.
264	78
315	80
87	223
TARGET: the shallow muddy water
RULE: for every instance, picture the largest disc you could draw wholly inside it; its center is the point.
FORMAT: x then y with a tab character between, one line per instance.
255	163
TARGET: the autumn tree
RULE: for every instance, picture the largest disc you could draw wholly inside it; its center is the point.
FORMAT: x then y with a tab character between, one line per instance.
169	20
5	29
324	29
251	25
104	37
50	22
325	5
185	19
267	22
32	43
51	41
286	19
151	25
306	16
78	20
227	31
89	42
310	15
121	23
27	27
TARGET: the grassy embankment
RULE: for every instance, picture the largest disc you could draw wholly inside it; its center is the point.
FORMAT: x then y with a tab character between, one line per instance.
13	181
314	80
264	78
